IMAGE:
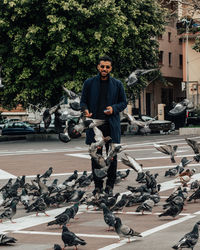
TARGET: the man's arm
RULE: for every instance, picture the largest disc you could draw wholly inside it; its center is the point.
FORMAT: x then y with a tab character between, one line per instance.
121	102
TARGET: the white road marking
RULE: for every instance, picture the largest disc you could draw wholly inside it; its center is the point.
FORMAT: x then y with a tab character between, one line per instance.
5	175
80	235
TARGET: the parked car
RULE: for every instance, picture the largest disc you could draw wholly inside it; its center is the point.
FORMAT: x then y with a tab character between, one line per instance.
155	126
17	128
192	117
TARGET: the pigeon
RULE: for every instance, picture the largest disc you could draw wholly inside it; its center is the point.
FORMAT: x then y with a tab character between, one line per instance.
190	239
57	247
108	216
120	204
134	76
174	210
195	196
38	206
7	185
124	231
146	206
76	196
131	162
6	240
115	149
179	168
72	177
81	178
61	220
195	147
10	212
194	185
85	123
64	136
124	175
71	239
24	198
167	149
47	173
100	140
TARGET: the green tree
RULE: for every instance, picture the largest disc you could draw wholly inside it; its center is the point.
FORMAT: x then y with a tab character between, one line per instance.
45	44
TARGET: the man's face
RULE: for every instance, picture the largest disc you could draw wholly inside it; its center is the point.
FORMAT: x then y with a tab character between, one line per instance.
104	68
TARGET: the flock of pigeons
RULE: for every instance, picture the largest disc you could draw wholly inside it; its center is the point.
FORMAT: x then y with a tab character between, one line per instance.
38	196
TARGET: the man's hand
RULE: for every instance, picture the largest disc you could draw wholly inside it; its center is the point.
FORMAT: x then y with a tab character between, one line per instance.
86	113
109	110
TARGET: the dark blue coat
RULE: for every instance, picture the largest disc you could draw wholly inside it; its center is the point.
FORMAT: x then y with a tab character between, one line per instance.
116	98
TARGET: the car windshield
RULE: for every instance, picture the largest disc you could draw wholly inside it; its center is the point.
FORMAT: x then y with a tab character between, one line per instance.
15	125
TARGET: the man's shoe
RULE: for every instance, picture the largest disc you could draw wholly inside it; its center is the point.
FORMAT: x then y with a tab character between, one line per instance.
97	191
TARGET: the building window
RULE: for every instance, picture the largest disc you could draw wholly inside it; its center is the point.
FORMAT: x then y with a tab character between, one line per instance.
160	37
180	61
169	36
180	41
161	57
170	59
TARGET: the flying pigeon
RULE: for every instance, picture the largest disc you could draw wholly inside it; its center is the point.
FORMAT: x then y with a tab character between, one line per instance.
64	136
133	77
132	163
195	147
190	239
124	231
71	239
167	149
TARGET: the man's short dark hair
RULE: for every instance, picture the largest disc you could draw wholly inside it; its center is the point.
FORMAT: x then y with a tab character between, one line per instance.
105	58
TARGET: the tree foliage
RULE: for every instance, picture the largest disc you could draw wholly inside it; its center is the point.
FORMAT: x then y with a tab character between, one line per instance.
45	44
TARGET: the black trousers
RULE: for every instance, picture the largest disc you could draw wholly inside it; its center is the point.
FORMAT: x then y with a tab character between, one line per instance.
111	174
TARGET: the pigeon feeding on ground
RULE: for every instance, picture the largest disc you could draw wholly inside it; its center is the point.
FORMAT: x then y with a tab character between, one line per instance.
179	168
174	209
132	163
167	149
190	239
71	239
120	204
61	220
146	206
6	240
124	231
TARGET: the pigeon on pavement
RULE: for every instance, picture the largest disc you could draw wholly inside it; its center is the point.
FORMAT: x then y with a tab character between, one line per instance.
71	239
10	212
47	173
124	231
109	217
57	247
6	240
190	239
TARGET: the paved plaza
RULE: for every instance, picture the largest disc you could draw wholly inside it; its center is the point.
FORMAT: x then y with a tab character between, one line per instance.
33	157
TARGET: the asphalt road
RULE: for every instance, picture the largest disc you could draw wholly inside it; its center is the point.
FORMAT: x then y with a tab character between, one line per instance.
35	157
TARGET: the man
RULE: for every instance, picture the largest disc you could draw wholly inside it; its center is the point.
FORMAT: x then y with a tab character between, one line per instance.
103	97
